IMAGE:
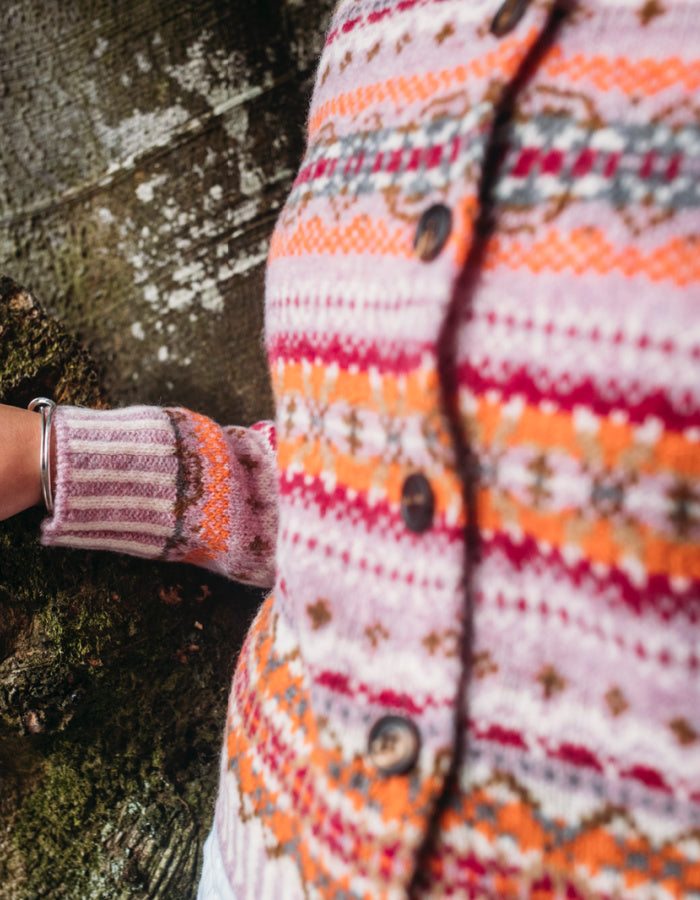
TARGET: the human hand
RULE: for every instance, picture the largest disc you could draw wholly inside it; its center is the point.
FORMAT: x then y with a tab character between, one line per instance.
20	448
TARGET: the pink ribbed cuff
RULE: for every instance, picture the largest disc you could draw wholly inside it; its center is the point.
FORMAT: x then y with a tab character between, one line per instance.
115	484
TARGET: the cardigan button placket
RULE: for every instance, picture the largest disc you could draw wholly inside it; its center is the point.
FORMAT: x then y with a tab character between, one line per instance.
417	503
508	16
394	744
434	227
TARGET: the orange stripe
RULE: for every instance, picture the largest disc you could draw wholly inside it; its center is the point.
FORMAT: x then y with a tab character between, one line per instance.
415	392
361	235
552	430
404	90
677	453
647	76
214	517
365	473
581	250
369	236
588	250
615	442
599	539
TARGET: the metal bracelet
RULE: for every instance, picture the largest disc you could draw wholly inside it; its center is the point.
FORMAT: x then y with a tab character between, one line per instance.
46	407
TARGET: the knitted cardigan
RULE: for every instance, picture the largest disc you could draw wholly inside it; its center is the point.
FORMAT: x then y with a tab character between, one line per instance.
542	372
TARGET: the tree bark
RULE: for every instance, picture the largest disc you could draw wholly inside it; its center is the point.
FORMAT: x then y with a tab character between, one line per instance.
146	149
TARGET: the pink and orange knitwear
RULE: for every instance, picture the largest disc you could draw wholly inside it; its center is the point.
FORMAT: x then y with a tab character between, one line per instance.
540	630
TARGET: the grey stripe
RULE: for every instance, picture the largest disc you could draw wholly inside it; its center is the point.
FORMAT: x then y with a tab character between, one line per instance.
354	166
628	164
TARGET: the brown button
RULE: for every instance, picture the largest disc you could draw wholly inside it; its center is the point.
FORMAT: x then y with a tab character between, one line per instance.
508	16
417	504
394	743
434	227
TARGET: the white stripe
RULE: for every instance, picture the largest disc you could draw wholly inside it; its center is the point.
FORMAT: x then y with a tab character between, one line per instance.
133	448
118	546
118	476
153	504
126	412
105	423
133	527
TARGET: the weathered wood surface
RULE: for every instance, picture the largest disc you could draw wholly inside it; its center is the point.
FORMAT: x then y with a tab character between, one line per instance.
145	149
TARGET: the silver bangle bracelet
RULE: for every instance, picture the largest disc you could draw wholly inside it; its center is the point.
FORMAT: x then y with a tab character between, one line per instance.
46	407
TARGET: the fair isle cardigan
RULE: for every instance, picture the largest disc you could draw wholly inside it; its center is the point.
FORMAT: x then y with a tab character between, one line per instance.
542	373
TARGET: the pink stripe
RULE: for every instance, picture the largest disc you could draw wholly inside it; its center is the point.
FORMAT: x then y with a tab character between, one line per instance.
584	163
611	164
401	359
573	754
525	161
685	413
552	162
428	156
155	465
144	436
332	349
124	515
374	18
647	169
655	596
125	490
340	683
155	542
536	160
674	167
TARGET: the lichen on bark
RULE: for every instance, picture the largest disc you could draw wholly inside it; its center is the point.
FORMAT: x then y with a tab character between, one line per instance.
147	151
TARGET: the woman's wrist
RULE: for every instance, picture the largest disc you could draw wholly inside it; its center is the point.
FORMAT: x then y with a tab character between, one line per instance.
20	460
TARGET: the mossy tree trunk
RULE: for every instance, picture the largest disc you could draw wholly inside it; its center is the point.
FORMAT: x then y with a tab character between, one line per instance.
146	149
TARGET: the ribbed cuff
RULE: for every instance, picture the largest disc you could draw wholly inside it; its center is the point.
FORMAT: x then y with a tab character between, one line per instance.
115	483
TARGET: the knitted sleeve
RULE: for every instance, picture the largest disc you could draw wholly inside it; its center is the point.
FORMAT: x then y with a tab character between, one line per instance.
166	484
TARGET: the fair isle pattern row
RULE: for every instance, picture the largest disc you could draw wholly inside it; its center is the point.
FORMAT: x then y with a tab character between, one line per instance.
547	156
578	371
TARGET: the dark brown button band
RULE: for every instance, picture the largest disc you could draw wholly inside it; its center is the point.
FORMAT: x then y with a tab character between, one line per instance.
393	746
508	16
417	504
434	227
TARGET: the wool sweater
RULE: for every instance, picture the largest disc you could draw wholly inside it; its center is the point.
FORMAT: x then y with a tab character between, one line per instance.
477	672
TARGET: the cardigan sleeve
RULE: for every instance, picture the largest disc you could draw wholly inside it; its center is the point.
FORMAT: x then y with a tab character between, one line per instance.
166	484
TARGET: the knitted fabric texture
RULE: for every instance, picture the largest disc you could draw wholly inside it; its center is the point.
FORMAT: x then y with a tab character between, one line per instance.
167	484
557	338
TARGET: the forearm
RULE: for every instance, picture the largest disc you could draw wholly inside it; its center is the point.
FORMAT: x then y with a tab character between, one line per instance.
20	447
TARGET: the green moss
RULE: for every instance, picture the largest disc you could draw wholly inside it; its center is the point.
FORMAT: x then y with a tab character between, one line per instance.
38	356
129	713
